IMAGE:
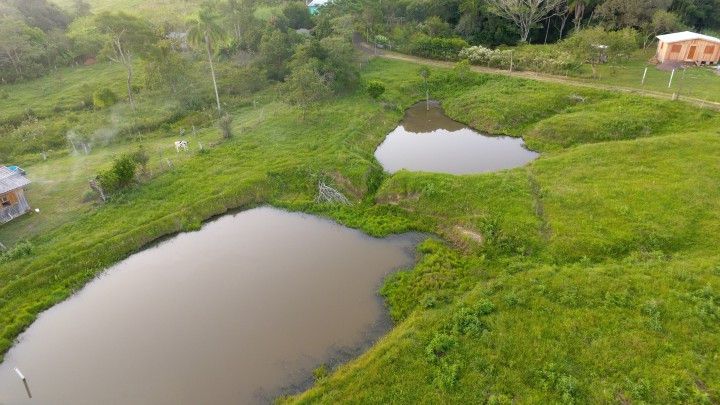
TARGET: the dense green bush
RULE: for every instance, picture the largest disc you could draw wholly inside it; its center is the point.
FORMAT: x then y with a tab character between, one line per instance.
596	46
22	249
440	345
297	14
436	48
119	176
104	98
375	88
141	158
243	81
381	40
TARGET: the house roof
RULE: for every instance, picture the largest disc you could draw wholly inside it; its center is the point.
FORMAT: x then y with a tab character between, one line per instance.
11	180
686	36
318	3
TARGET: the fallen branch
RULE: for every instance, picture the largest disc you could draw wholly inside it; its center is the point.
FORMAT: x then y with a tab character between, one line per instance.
327	194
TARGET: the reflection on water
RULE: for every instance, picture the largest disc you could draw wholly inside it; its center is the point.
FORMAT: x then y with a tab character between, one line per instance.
429	141
235	313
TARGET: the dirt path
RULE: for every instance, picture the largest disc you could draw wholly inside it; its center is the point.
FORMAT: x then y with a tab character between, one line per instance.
368	49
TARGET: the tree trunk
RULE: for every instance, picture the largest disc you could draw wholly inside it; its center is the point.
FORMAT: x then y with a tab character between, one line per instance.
579	14
547	31
212	73
238	32
126	60
524	36
524	32
563	22
129	86
15	62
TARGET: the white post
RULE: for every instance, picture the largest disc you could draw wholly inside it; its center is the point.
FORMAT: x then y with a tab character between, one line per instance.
25	383
671	78
644	76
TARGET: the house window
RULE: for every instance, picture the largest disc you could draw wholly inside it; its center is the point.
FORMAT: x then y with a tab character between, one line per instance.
676	48
5	200
709	49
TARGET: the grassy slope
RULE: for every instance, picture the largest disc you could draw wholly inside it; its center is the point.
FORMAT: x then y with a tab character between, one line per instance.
697	82
596	281
279	156
62	90
621	300
702	83
156	8
40	114
57	103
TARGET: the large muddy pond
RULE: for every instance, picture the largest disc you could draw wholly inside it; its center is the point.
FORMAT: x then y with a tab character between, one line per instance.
238	312
429	141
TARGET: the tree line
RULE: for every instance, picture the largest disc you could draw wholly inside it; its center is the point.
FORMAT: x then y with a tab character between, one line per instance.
203	65
508	22
311	55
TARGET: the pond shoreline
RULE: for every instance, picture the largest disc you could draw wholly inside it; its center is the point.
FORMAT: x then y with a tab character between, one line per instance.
334	355
427	140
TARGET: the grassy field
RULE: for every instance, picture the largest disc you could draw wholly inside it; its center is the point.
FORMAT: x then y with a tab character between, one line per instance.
696	82
156	9
595	278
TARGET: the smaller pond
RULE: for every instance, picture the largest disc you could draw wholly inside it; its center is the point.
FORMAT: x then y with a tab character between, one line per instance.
429	141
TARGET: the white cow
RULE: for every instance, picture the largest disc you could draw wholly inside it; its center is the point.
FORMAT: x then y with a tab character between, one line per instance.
181	145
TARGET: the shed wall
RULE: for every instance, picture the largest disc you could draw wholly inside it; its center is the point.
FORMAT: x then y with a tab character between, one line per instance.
679	51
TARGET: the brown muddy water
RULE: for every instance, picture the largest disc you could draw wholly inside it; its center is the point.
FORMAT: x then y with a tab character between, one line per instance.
429	141
239	312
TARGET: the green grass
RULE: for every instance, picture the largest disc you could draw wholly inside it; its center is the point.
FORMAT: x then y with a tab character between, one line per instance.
589	276
266	12
157	10
62	90
60	184
609	120
608	281
697	82
557	334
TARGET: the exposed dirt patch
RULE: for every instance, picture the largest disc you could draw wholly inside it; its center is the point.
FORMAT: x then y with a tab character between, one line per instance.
397	198
346	185
472	235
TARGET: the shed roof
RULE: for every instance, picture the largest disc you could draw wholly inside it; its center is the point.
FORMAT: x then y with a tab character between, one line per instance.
686	36
318	3
11	180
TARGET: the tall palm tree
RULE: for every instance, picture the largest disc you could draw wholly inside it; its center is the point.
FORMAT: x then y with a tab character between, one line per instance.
206	31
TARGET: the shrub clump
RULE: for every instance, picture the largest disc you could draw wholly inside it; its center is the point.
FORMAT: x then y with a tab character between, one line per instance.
550	60
436	48
119	176
375	89
141	158
468	320
225	125
321	373
446	375
104	98
440	345
22	249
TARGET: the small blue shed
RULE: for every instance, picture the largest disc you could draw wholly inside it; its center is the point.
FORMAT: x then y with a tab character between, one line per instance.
315	5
